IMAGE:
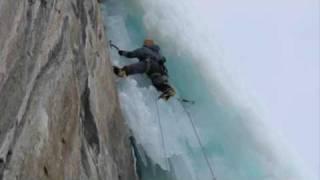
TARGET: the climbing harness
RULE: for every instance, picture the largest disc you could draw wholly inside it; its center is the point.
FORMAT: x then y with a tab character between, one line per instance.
200	143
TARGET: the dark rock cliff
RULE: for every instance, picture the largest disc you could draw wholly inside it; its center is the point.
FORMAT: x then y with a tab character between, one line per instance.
59	112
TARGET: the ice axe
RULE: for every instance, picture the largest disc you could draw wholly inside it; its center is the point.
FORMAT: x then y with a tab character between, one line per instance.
114	46
186	101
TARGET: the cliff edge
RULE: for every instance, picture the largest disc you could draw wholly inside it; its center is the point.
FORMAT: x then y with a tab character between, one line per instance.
59	111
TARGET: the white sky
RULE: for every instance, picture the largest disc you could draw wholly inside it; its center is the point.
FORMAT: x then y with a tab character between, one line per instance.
275	45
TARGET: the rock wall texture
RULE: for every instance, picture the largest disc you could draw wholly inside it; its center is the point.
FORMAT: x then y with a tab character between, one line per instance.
59	112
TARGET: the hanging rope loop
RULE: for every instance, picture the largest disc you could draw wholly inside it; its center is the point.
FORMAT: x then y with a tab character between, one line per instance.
200	143
210	167
162	136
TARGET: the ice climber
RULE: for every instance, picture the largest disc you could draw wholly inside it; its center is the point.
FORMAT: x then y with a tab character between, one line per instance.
151	63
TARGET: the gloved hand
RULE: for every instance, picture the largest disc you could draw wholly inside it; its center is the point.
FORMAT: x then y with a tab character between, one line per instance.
120	52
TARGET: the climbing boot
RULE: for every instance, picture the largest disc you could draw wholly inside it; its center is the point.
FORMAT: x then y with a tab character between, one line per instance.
119	71
166	95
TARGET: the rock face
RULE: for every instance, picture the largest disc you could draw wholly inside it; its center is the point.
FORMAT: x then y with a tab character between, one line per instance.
59	112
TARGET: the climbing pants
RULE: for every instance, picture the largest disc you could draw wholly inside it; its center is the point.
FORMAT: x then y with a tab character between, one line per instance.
159	81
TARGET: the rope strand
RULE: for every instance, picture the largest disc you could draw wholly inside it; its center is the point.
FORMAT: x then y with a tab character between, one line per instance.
200	143
197	137
162	136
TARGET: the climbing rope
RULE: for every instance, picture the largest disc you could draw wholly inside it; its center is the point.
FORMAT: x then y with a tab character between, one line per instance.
200	143
195	132
162	136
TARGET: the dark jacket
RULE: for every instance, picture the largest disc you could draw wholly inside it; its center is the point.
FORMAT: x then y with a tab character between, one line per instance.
151	56
144	53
